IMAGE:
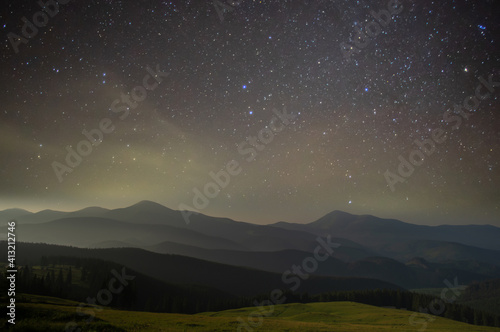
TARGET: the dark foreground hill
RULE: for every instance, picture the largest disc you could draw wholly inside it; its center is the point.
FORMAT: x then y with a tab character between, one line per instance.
415	273
483	296
52	314
186	270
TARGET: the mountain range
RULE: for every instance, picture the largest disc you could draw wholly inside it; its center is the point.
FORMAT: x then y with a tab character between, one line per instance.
392	251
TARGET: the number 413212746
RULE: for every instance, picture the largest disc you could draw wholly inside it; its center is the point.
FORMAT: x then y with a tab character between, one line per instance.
11	243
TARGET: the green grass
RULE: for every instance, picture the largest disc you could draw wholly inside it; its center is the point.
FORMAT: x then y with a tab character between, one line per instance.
30	298
51	314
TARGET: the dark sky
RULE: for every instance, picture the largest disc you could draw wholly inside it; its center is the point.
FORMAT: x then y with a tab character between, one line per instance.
350	109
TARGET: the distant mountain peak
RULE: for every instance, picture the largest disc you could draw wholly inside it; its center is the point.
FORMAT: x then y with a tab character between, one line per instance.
145	212
335	217
17	210
14	212
145	204
338	213
92	209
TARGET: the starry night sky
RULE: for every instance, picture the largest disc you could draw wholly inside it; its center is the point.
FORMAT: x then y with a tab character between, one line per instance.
353	115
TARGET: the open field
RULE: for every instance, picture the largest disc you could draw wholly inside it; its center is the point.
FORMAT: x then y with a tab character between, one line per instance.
51	314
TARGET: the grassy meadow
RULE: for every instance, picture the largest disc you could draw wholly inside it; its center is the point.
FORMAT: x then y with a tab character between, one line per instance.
41	313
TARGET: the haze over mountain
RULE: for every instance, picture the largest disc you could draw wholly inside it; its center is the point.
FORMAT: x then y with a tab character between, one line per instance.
369	230
390	250
181	270
343	145
378	232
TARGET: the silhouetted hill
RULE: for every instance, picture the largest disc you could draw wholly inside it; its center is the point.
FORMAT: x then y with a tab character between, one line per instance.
374	233
377	233
89	276
88	212
247	236
7	215
439	251
88	231
186	270
38	217
146	212
274	247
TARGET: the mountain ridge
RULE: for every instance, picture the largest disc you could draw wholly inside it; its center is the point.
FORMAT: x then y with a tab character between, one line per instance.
373	232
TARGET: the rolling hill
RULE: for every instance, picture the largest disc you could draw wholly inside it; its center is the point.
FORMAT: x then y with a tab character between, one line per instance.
87	231
52	314
183	270
407	275
389	252
377	233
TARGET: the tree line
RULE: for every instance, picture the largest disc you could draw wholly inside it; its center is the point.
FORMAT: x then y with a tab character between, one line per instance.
78	278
